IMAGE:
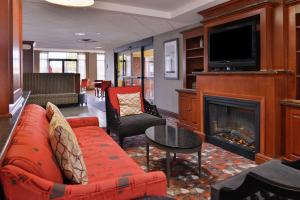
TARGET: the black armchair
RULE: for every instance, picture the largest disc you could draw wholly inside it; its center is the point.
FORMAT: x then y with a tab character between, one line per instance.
132	125
274	180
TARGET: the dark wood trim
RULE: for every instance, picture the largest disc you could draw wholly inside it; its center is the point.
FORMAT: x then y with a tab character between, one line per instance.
138	44
291	2
168	113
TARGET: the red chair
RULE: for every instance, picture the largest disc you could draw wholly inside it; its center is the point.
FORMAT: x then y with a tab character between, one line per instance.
97	85
104	86
84	84
126	126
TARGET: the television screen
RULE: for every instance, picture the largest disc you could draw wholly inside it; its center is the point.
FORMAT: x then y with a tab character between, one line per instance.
233	45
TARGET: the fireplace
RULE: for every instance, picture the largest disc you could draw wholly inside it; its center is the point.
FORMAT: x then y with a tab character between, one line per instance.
233	124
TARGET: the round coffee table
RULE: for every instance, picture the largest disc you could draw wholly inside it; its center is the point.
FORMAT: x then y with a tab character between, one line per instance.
173	140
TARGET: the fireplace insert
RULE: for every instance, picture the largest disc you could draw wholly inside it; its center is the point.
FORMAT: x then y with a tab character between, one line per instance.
233	124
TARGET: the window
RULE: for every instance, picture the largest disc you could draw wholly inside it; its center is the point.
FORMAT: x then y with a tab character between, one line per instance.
44	62
100	67
82	65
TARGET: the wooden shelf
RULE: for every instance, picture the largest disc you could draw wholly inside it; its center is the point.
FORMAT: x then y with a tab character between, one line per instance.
196	48
297	76
298	27
191	75
194	57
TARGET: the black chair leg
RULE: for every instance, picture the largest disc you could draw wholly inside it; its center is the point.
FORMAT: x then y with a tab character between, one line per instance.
121	140
108	131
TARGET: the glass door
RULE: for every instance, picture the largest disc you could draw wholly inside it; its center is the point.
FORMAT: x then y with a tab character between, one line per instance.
136	68
149	75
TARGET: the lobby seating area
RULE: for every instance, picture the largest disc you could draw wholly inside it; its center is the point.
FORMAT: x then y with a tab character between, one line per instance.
61	89
149	100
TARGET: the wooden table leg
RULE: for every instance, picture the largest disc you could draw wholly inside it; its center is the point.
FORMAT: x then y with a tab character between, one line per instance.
199	162
168	168
147	150
174	156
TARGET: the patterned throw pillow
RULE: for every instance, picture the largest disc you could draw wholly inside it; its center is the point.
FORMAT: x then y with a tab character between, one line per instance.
130	104
50	110
67	151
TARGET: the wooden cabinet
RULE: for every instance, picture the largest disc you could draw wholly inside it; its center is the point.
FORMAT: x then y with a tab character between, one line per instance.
189	109
292	129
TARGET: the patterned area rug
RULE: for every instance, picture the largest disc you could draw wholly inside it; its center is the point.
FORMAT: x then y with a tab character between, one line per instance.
217	165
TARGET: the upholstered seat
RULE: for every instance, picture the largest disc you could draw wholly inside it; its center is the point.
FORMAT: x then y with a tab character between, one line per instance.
138	123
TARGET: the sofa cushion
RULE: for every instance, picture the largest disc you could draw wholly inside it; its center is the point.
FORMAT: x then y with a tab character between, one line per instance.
67	151
114	91
30	149
130	104
104	158
57	99
137	124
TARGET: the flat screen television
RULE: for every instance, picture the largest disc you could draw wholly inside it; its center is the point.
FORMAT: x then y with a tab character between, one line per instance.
234	46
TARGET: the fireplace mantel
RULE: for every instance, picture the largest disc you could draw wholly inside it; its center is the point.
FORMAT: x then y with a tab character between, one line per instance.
267	89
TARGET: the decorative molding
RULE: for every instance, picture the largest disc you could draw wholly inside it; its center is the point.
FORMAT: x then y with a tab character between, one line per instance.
291	2
231	8
69	50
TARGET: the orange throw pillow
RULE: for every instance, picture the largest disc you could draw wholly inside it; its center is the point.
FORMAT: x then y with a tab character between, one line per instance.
130	104
67	151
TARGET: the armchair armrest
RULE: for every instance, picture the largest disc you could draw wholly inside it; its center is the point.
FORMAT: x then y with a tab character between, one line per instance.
130	187
295	164
151	109
83	121
112	116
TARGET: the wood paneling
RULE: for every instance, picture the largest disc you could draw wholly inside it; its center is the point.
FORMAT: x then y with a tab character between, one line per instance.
189	109
291	129
10	54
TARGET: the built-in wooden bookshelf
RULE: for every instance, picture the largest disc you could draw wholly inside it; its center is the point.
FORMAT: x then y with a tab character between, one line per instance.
193	47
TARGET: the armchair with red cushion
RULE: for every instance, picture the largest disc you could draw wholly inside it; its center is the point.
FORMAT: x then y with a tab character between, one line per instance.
131	125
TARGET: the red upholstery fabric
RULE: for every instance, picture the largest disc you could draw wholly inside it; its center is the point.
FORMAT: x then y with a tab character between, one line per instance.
82	122
112	173
113	98
30	149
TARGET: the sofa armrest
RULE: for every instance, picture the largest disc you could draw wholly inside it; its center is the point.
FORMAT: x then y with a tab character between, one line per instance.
18	184
83	121
131	187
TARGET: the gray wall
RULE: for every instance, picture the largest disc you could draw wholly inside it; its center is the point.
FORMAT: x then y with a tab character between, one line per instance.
165	96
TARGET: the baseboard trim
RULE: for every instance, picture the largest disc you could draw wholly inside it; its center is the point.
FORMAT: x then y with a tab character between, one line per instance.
168	113
261	158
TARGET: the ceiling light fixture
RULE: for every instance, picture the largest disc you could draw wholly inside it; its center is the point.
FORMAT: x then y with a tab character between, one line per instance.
73	3
79	34
98	47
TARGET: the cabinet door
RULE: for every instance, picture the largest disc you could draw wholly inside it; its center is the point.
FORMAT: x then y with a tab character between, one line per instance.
293	133
184	107
195	111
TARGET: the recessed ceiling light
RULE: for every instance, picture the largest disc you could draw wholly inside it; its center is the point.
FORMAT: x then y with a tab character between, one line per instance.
73	3
98	33
98	47
79	34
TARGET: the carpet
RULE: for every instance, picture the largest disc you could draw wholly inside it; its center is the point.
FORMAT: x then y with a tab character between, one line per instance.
185	184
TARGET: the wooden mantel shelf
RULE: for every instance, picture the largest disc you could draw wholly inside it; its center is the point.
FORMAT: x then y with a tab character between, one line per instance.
186	90
290	102
270	72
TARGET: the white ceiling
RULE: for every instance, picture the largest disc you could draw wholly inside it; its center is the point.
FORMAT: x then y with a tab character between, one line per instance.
111	23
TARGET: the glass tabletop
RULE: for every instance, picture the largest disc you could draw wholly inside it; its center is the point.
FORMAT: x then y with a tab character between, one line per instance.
175	137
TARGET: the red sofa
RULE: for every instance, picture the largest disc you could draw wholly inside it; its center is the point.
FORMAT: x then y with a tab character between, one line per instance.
30	170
